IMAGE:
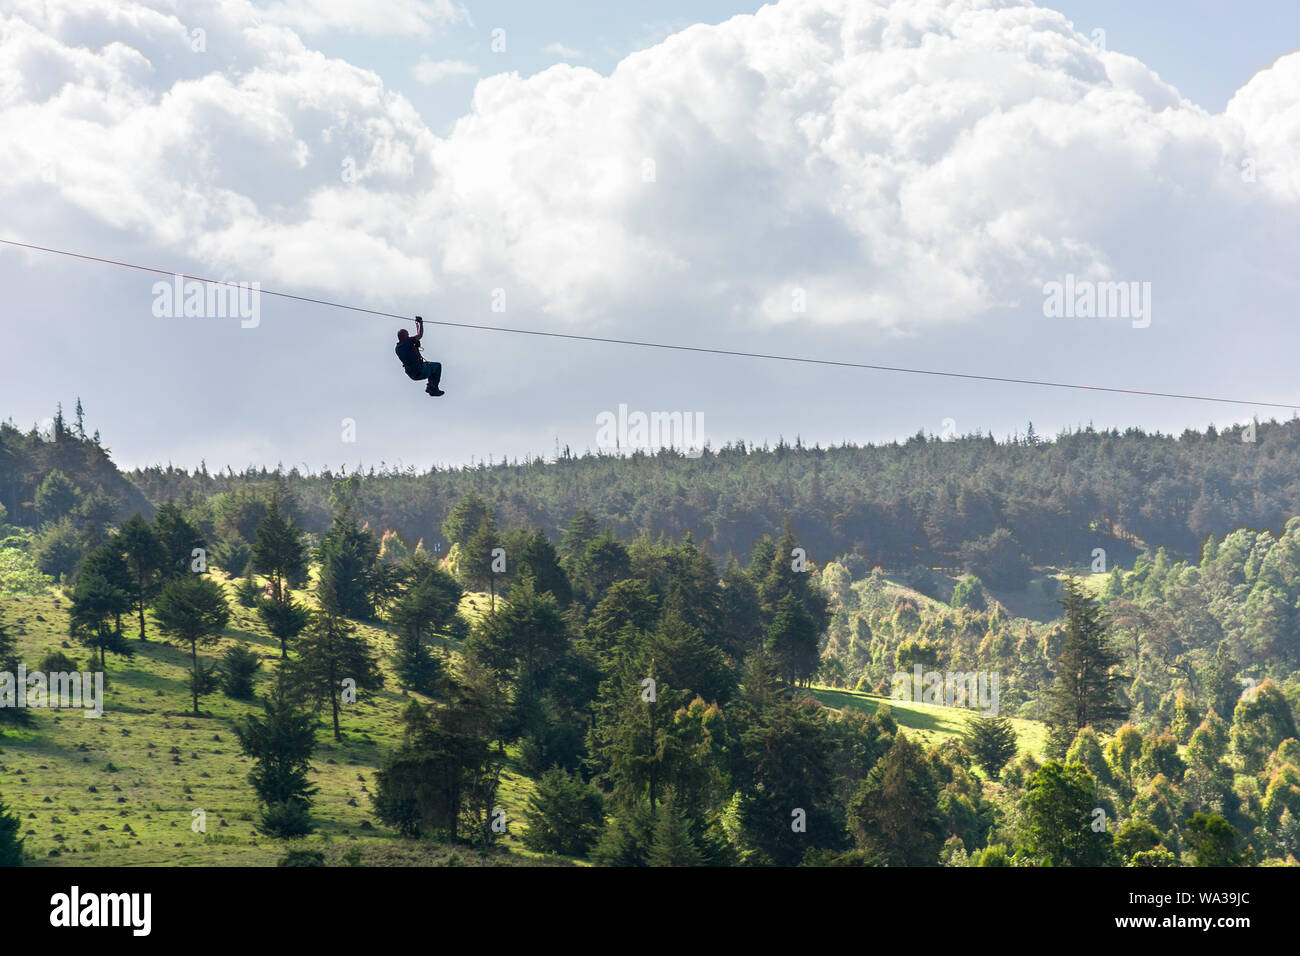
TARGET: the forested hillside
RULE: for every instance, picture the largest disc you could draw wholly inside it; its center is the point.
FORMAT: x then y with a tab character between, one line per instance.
972	501
28	459
613	693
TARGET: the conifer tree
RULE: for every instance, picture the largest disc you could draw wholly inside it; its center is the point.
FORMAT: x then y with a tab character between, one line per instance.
278	552
238	666
145	557
193	609
991	741
565	814
895	813
281	744
15	716
178	537
480	560
284	619
11	844
671	844
429	606
540	559
330	653
99	599
464	519
349	556
1088	690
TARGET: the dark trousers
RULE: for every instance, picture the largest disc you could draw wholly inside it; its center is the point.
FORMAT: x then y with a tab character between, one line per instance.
430	370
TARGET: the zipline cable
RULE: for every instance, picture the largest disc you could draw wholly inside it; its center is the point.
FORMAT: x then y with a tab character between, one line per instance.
665	345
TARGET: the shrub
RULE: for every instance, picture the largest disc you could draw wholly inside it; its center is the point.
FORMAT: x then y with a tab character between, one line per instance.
58	548
19	572
286	821
57	662
247	592
232	555
237	666
969	592
564	814
302	858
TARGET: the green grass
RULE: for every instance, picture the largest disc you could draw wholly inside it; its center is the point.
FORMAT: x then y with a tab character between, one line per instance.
931	723
120	790
1093	584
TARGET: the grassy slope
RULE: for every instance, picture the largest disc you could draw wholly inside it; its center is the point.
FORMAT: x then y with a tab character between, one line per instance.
150	763
932	723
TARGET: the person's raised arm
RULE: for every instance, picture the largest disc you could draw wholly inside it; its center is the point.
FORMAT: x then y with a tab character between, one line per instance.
419	328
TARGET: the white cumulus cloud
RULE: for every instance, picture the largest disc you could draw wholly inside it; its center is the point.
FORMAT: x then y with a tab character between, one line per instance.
891	165
559	49
433	71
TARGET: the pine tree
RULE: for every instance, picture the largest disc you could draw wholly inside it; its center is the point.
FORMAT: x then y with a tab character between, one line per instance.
178	537
278	552
476	708
416	667
582	531
99	599
783	766
145	557
464	519
540	559
238	665
281	744
895	813
58	548
284	619
672	844
446	767
565	814
479	561
626	838
530	639
193	609
792	640
11	844
15	716
629	736
393	548
57	497
1088	690
330	652
991	741
773	570
349	557
428	606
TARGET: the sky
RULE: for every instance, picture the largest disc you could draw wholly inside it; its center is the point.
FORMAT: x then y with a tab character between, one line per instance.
906	183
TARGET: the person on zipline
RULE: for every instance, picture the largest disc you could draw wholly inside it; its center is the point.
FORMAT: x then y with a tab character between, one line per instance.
408	350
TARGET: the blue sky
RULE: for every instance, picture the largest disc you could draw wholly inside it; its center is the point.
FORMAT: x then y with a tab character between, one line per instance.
915	169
